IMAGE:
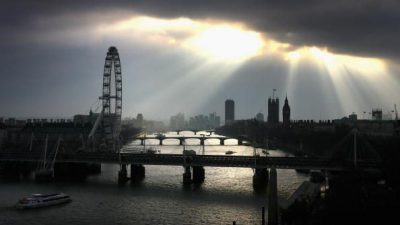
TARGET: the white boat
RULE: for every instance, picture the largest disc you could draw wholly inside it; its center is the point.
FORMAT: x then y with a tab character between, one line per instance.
42	200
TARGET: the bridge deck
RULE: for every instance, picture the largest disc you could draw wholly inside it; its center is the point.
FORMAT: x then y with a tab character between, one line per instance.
196	160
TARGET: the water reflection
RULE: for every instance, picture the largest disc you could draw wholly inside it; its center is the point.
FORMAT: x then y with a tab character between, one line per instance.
226	194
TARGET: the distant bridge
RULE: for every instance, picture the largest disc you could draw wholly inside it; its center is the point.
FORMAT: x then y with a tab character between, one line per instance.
199	160
194	131
182	139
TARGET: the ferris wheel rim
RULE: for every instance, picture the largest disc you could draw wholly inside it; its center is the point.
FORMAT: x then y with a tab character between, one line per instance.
112	61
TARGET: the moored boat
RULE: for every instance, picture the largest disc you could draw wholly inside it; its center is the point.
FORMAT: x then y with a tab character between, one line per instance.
43	200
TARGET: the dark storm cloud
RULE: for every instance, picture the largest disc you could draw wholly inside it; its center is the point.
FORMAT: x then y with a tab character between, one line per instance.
53	56
367	28
370	27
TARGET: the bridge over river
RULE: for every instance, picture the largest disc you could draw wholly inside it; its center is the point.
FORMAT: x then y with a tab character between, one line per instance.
265	174
261	162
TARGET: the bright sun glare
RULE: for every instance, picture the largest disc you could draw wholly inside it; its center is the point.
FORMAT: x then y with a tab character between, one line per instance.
218	42
233	44
335	62
226	43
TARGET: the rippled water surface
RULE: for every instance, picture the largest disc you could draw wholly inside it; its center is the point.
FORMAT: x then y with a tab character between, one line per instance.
225	196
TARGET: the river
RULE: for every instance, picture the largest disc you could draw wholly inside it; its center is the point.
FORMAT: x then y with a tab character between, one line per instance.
226	195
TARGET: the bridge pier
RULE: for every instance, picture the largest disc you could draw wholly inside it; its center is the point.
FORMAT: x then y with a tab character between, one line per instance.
142	141
137	172
260	179
240	142
222	141
181	140
202	141
187	176
198	174
195	132
177	132
273	198
161	141
122	175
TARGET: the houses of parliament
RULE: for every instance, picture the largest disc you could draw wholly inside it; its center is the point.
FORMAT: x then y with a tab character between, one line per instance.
273	111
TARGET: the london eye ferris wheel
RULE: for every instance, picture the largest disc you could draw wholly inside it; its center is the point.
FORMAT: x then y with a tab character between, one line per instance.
112	99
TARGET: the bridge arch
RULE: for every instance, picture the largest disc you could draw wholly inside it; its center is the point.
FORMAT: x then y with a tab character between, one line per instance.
231	141
212	140
168	140
197	139
149	140
188	130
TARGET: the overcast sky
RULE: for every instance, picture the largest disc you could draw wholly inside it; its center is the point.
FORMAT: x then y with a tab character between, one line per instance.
331	58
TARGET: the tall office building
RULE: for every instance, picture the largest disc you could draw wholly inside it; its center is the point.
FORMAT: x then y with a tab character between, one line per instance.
140	120
229	111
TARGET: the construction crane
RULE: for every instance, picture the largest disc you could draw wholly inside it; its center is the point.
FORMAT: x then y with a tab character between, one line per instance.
395	113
